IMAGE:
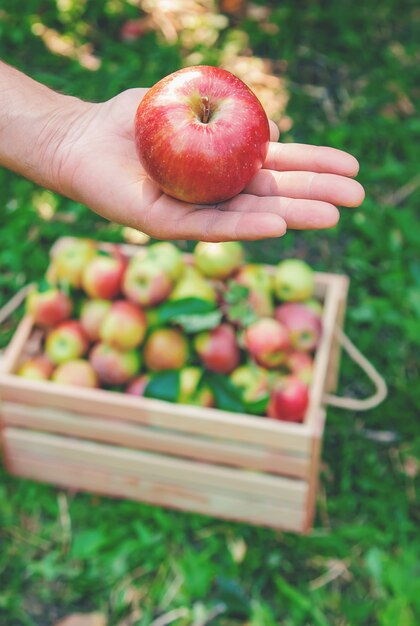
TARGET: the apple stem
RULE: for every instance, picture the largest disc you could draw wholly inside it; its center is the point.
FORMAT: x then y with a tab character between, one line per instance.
205	115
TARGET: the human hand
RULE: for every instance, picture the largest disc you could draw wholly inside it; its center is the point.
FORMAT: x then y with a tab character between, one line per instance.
298	187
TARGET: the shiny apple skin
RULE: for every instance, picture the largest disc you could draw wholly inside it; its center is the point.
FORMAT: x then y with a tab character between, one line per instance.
194	161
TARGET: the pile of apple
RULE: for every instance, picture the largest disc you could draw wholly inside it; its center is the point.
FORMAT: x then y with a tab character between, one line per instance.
207	329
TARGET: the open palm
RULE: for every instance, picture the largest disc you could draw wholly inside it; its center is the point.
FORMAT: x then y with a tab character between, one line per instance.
298	187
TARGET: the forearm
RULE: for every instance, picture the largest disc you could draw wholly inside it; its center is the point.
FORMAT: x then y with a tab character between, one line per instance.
34	124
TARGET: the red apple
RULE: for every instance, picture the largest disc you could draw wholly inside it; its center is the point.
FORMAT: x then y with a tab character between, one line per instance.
301	364
70	261
92	314
201	134
66	342
138	385
304	326
165	349
146	283
289	399
218	349
112	366
218	260
267	341
124	325
190	390
293	280
78	373
49	307
102	277
36	368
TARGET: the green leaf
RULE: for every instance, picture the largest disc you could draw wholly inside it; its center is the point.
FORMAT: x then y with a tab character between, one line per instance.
197	323
226	395
173	309
235	292
164	386
258	407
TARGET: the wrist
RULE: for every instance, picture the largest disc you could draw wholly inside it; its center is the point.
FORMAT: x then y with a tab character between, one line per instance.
35	123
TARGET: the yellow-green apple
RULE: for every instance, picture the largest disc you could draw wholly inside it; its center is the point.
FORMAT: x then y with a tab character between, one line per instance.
49	307
102	277
314	305
289	399
293	280
253	383
218	260
259	282
190	390
304	326
165	349
78	373
267	341
146	283
218	349
70	261
201	134
112	366
192	284
301	364
137	386
92	314
124	325
36	368
167	256
66	342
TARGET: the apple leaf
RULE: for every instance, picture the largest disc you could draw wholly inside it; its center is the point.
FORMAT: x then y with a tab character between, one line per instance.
173	309
195	323
227	397
163	386
258	407
239	309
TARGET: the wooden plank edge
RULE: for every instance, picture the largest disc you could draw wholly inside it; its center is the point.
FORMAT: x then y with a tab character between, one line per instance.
195	420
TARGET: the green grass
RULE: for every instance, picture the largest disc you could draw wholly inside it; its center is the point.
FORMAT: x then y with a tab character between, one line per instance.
62	552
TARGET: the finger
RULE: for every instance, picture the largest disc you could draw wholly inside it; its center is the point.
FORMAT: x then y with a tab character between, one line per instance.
298	214
308	185
274	131
251	222
295	156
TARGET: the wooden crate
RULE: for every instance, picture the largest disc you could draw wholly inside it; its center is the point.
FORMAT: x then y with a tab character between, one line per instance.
233	466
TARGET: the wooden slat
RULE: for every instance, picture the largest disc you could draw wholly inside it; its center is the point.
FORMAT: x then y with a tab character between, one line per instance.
241	483
331	379
333	296
136	487
141	437
15	348
195	420
314	473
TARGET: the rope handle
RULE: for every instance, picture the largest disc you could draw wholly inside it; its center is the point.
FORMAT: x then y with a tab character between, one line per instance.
358	404
13	304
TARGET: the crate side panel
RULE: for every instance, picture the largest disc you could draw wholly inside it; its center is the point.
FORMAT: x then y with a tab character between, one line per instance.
135	487
155	440
243	483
